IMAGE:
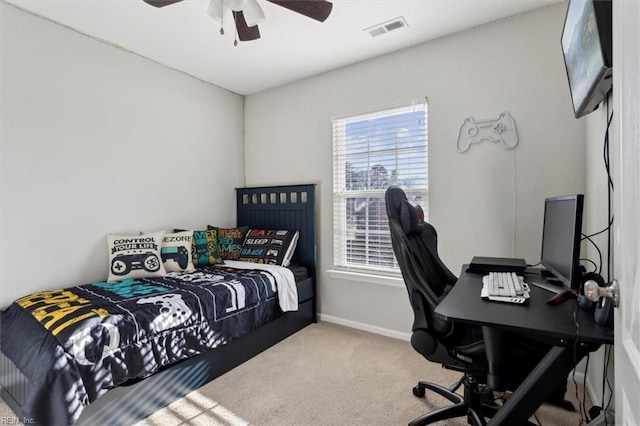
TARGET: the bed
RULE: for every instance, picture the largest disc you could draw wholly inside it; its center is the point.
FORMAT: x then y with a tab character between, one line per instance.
156	378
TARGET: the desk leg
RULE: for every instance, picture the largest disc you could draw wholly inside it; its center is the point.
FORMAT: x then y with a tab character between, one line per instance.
494	344
550	372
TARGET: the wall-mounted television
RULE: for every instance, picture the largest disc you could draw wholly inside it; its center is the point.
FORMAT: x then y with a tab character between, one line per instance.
587	49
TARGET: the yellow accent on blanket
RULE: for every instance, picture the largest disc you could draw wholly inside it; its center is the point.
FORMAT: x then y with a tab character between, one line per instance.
59	307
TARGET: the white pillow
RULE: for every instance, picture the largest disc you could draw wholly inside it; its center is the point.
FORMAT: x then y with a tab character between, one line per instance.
176	251
135	256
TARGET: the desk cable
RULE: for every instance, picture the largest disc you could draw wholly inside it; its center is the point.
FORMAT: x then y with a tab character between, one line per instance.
587	416
503	398
605	379
584	417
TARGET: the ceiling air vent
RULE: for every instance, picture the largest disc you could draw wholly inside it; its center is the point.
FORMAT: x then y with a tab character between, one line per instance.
386	27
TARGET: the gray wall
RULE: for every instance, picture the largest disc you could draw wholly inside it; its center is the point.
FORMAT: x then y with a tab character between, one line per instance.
487	201
96	140
92	138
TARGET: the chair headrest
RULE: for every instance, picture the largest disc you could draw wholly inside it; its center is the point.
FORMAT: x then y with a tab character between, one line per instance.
411	218
394	197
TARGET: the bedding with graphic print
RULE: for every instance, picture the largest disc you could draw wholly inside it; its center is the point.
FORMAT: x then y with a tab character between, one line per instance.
75	344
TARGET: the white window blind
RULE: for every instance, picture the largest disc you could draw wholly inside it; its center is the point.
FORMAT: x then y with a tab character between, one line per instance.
371	152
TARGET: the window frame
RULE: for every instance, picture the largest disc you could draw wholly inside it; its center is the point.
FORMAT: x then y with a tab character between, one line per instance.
343	265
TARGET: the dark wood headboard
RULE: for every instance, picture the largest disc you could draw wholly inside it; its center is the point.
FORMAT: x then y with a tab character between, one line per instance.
282	207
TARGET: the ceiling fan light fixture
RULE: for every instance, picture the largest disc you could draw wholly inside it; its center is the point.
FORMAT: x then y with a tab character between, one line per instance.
216	10
236	5
253	13
221	9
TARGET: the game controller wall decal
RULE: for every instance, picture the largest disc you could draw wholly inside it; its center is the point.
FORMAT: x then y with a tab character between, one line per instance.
501	129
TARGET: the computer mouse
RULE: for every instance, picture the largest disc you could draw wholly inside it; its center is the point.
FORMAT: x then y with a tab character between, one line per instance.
561	297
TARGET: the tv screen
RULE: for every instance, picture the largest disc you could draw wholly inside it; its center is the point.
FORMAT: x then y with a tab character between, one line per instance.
586	47
561	235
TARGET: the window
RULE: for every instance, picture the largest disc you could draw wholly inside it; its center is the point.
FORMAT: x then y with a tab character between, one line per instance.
370	153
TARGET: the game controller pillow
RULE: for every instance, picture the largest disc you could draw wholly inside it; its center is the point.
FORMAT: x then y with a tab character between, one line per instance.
205	248
135	256
273	247
176	251
230	241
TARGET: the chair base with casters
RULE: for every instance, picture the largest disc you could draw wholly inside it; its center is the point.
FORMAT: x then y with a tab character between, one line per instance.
475	404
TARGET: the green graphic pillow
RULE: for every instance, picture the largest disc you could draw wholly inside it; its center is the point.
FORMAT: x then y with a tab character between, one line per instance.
205	248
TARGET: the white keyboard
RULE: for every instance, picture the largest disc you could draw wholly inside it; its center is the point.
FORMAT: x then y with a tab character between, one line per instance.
504	287
504	284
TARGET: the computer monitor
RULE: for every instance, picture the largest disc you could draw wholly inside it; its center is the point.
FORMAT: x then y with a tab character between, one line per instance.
561	235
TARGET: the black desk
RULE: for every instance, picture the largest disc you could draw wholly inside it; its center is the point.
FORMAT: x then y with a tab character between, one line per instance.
552	324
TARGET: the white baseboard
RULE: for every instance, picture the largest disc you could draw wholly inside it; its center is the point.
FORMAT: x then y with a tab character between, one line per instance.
594	390
579	376
365	327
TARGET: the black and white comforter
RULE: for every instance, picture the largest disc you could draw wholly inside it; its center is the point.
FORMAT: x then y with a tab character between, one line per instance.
75	344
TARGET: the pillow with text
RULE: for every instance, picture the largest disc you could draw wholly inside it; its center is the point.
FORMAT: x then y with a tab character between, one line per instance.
135	256
274	247
230	241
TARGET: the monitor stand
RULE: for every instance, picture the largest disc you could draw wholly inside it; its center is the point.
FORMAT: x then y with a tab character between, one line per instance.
543	279
550	278
543	275
554	281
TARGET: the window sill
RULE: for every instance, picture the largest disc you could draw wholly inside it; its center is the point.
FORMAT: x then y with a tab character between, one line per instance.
367	278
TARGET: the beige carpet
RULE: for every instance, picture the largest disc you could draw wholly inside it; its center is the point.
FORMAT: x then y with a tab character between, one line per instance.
326	375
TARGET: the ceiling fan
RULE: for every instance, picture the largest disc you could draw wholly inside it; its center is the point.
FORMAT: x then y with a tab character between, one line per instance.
248	13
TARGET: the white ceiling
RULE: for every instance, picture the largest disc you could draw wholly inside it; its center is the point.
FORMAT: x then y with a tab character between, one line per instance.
183	37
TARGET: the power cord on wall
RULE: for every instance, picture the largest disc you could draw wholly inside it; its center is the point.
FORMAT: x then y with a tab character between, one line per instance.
514	194
610	189
585	416
589	238
607	358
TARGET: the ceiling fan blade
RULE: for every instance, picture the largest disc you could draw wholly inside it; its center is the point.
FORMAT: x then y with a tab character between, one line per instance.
314	9
161	3
245	32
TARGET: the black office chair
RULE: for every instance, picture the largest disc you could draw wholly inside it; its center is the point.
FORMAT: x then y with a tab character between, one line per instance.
456	347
